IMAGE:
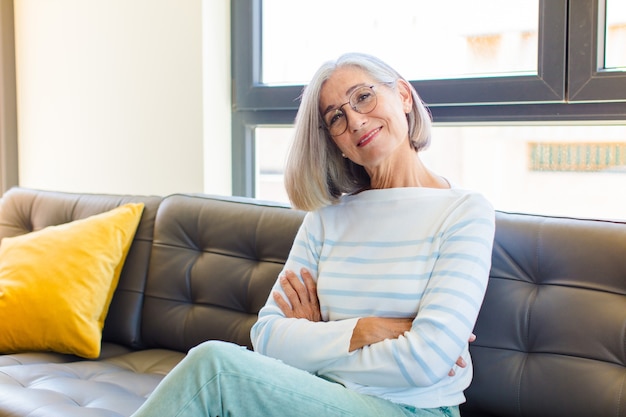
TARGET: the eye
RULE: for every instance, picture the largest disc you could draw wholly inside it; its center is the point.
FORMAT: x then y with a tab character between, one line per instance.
364	95
337	115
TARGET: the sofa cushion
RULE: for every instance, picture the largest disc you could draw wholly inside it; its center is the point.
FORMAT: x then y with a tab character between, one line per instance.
213	264
113	387
24	210
57	283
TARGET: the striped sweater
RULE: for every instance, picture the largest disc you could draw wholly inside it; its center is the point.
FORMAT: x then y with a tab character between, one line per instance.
403	252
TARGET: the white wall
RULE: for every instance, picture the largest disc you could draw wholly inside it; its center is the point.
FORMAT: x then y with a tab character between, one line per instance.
110	95
217	97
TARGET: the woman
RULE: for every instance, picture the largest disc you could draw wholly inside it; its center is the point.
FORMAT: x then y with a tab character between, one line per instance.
381	290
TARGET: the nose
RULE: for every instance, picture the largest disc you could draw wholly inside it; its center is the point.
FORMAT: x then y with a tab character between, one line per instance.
355	119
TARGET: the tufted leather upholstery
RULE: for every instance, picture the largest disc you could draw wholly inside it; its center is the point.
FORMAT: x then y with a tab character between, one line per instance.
213	265
552	329
551	332
106	388
200	268
24	210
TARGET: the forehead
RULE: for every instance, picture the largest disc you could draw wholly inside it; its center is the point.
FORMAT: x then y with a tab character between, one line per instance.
336	88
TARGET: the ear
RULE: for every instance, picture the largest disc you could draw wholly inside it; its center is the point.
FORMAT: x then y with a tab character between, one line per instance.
404	89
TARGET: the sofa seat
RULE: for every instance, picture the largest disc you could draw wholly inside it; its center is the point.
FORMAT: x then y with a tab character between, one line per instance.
108	350
41	384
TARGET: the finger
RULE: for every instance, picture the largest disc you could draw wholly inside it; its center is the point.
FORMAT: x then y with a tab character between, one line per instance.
298	287
310	284
472	337
282	304
290	291
461	362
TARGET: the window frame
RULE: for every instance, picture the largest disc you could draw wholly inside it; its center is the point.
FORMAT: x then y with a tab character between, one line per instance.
588	80
547	86
251	94
565	88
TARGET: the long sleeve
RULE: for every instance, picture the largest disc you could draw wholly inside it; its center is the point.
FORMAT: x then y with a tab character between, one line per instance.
298	342
446	314
413	253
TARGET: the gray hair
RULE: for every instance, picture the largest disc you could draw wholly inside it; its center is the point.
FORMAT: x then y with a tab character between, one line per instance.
316	174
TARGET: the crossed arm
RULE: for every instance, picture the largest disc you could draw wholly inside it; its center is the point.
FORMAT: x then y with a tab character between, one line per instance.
302	303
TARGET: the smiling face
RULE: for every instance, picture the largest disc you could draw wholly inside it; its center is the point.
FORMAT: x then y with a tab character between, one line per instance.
371	139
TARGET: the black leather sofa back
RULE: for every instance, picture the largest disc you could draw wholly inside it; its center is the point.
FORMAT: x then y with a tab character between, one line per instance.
552	329
213	264
25	210
551	332
199	268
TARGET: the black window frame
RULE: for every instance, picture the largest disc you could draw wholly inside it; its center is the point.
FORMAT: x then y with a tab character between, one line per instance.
570	85
588	80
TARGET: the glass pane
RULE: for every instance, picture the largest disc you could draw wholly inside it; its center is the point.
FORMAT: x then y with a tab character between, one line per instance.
577	171
271	146
615	43
421	39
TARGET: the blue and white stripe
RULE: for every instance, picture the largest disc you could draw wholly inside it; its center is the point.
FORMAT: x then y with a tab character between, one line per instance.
419	253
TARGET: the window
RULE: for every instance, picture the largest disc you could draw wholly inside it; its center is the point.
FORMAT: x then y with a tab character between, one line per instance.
537	29
615	35
563	90
576	170
591	41
469	43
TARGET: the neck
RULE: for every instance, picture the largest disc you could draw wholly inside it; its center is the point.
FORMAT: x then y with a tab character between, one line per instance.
406	171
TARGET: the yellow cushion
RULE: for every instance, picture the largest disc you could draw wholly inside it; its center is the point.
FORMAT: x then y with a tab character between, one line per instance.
56	284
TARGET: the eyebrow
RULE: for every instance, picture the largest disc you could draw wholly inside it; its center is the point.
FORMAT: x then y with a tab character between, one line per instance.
348	92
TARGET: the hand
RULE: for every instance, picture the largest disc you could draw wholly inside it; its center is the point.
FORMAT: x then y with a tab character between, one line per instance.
369	330
461	362
303	302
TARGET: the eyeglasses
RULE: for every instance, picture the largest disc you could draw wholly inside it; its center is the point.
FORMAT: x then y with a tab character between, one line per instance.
362	100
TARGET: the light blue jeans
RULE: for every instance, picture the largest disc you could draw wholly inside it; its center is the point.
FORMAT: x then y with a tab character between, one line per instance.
223	379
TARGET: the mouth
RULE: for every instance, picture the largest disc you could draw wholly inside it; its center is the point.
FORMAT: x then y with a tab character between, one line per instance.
365	139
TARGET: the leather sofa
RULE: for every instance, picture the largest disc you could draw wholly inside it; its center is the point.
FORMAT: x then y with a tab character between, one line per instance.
551	332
